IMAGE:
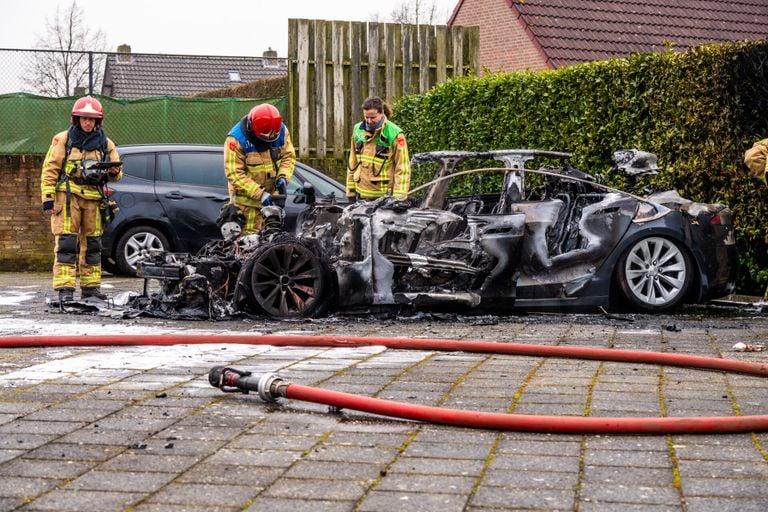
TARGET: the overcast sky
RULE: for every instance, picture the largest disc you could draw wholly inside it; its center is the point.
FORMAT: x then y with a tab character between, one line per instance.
229	27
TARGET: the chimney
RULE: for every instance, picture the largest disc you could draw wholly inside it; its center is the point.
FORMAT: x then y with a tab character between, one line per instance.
124	54
270	53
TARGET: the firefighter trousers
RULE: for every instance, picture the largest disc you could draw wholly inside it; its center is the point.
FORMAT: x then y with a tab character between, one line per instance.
77	229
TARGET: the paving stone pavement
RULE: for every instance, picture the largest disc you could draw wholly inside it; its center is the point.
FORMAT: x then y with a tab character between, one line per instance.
139	428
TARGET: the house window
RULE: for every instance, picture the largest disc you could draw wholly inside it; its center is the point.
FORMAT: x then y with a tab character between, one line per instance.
234	76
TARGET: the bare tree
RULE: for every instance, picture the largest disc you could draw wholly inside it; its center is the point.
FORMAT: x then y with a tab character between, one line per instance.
74	51
424	12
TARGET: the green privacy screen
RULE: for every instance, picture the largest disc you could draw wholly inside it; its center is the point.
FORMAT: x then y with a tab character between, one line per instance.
29	122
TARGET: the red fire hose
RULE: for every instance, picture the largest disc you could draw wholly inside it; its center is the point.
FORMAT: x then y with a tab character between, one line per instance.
274	386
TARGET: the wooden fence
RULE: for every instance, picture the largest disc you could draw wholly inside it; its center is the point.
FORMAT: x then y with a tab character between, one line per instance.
335	65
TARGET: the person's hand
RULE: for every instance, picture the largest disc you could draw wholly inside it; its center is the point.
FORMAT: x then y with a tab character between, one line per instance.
266	199
113	171
281	184
352	196
48	207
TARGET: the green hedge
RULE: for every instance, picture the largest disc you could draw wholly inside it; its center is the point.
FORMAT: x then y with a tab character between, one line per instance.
698	111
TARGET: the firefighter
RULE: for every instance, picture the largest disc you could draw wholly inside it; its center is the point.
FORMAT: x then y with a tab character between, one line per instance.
379	164
258	161
73	195
755	159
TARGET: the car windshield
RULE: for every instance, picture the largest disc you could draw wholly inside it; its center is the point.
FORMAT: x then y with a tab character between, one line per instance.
322	187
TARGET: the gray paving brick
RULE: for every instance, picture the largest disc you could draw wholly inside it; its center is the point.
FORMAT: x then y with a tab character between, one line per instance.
77	501
222	474
7	504
64	451
360	472
150	462
628	475
530	479
357	453
448	450
6	455
548	499
422	465
322	489
121	481
378	501
204	495
726	487
751	468
630	458
18	487
588	506
274	442
23	441
534	462
262	458
604	492
433	484
298	505
736	504
169	507
45	468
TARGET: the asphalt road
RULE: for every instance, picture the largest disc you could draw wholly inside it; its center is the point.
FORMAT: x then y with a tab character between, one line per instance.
140	428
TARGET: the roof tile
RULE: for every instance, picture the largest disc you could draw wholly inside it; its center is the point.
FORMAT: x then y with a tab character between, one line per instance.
573	31
137	75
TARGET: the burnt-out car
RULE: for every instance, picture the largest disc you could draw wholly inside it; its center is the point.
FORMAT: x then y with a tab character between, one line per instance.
490	231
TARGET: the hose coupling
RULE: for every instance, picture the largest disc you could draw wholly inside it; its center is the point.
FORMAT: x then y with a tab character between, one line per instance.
271	387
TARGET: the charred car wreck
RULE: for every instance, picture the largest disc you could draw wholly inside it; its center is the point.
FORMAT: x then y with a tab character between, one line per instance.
493	238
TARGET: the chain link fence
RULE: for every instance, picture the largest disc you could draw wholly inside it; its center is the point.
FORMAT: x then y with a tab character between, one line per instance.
39	87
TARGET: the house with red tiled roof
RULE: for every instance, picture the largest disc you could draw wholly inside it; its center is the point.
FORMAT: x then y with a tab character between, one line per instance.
549	34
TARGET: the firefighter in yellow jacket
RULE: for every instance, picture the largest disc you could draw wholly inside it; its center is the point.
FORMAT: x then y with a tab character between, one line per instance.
756	157
75	171
258	161
379	164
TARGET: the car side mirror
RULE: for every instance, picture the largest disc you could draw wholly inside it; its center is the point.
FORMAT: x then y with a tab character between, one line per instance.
309	192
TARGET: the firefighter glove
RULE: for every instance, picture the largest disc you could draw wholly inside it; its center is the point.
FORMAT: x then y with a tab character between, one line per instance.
280	185
47	206
266	199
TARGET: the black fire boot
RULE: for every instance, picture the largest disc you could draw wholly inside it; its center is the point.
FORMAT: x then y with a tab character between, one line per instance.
93	291
66	295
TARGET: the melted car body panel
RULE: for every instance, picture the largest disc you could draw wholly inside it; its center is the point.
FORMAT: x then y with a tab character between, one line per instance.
481	238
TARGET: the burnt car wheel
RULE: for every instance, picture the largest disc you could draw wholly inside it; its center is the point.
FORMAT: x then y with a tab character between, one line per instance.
136	244
289	279
655	274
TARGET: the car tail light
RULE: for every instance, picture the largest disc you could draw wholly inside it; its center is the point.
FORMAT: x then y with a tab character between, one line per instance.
723	218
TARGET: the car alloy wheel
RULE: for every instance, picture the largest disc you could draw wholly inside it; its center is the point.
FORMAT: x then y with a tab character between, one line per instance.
288	279
655	274
137	244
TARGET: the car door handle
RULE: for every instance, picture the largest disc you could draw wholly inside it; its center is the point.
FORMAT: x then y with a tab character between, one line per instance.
218	199
174	195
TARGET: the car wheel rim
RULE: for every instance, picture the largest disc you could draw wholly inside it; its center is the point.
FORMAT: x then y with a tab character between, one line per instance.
141	246
655	271
286	280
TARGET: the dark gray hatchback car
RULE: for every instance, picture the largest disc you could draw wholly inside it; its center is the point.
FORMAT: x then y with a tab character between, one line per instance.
170	197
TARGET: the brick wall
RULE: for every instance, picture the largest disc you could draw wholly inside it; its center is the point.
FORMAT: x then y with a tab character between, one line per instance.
504	43
26	242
